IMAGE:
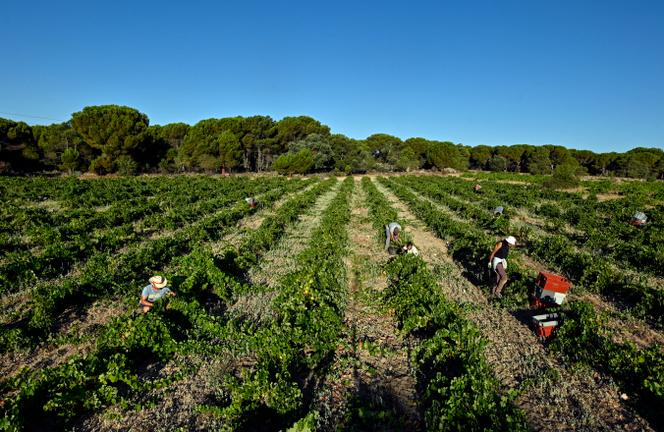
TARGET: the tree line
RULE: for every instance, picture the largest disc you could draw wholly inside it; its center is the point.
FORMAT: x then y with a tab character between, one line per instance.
118	139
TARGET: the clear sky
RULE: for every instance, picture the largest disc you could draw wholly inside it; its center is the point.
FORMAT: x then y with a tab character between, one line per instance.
583	74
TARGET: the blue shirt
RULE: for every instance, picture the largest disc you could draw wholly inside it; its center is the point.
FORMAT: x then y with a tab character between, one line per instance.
151	295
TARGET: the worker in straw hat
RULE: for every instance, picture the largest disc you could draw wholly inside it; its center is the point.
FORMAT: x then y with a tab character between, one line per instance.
498	262
153	292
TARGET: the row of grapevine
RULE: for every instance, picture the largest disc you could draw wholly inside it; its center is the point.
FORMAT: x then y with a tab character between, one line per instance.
72	192
585	337
90	232
111	374
600	227
294	348
640	372
593	272
459	390
105	274
27	219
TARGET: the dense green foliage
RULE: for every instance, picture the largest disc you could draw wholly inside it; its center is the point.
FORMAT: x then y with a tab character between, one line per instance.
115	131
460	390
300	162
111	138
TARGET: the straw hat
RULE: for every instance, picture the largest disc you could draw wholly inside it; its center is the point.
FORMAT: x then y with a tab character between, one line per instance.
158	281
511	240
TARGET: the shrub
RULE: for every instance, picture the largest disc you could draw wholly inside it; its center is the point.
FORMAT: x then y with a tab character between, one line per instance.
564	176
126	166
295	163
70	159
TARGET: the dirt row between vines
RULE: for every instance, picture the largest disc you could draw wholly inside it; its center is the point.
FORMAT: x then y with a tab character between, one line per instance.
282	258
279	261
83	325
552	397
626	327
372	365
179	403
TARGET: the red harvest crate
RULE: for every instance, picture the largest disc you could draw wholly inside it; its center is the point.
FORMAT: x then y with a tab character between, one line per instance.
545	324
551	282
550	290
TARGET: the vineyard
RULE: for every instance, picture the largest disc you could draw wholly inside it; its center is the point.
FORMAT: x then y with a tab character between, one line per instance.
292	316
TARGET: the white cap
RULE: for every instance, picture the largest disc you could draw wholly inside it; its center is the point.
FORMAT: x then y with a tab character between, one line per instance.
511	240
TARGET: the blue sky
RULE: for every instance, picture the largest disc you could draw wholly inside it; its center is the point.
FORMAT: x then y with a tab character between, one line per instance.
583	74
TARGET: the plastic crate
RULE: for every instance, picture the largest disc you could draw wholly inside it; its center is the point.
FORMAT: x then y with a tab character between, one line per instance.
552	282
544	325
550	290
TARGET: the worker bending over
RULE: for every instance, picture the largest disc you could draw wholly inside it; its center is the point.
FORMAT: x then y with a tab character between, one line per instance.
392	231
498	262
153	292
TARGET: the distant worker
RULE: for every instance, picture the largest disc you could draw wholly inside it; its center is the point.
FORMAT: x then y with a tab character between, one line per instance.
410	248
153	292
639	219
498	262
392	231
498	211
253	203
477	187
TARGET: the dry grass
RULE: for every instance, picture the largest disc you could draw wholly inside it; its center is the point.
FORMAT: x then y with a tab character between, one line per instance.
178	404
277	263
282	258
